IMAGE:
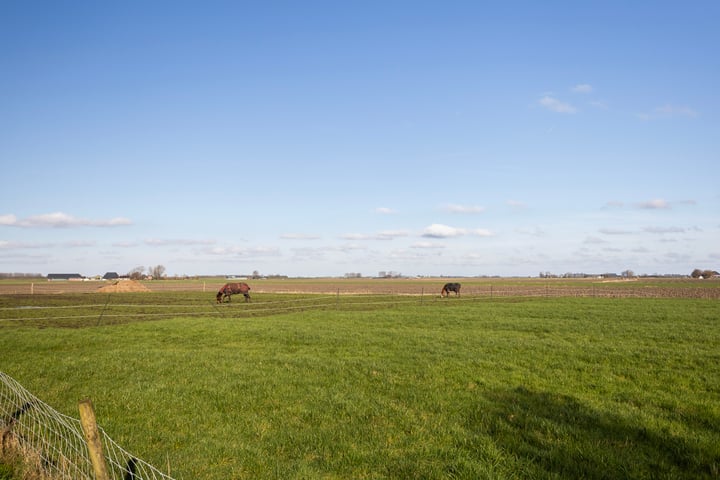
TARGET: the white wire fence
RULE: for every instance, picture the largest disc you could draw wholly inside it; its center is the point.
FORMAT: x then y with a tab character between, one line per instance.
113	308
53	446
657	289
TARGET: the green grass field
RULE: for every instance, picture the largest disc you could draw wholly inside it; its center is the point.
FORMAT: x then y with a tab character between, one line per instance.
384	387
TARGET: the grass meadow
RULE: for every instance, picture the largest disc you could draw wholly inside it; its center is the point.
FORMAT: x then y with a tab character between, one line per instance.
378	387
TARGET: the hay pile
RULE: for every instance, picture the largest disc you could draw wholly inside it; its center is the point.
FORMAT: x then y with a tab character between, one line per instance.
122	286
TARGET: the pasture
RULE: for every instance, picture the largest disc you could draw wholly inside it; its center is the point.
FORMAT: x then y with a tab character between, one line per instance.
382	386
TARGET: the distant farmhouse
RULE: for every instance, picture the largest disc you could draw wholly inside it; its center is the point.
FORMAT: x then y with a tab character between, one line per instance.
52	277
111	276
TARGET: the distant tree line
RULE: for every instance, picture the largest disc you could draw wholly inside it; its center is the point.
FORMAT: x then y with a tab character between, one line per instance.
624	274
390	274
20	275
157	273
697	273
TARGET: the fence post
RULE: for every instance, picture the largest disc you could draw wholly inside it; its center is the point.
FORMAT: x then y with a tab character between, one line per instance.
32	288
337	300
92	436
422	295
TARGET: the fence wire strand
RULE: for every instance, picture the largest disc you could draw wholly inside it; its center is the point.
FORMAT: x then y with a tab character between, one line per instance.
54	444
124	311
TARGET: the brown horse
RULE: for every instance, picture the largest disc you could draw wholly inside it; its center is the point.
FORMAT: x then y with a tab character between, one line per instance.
232	289
450	287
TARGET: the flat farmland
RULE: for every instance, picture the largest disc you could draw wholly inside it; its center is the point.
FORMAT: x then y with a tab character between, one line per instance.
483	287
382	379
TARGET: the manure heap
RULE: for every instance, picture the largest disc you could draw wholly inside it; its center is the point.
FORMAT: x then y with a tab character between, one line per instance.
124	286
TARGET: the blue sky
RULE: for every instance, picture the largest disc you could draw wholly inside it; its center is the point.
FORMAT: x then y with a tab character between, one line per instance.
323	138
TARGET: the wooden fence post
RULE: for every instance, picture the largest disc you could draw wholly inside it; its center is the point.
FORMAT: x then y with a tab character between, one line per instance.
92	436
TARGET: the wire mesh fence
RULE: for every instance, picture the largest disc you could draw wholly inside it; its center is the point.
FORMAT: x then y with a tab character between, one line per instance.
470	287
53	445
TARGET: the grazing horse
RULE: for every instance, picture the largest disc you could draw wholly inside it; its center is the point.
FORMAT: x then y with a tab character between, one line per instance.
450	287
231	289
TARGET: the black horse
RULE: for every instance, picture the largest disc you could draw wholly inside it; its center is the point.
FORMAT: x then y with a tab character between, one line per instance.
232	289
450	287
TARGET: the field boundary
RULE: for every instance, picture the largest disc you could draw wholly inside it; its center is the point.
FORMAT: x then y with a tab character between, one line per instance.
52	444
114	308
708	289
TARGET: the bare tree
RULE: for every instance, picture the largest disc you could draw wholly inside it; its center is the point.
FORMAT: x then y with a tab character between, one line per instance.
157	272
136	273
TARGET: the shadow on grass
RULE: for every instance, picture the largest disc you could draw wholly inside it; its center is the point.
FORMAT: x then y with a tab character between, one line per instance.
555	436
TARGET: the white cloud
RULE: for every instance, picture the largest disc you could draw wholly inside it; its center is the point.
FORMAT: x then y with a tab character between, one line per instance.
8	245
516	204
438	230
164	242
533	231
427	245
669	111
555	105
125	244
593	240
390	234
8	220
60	220
452	208
656	204
582	88
80	244
385	211
356	236
245	251
309	254
384	235
664	230
348	247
